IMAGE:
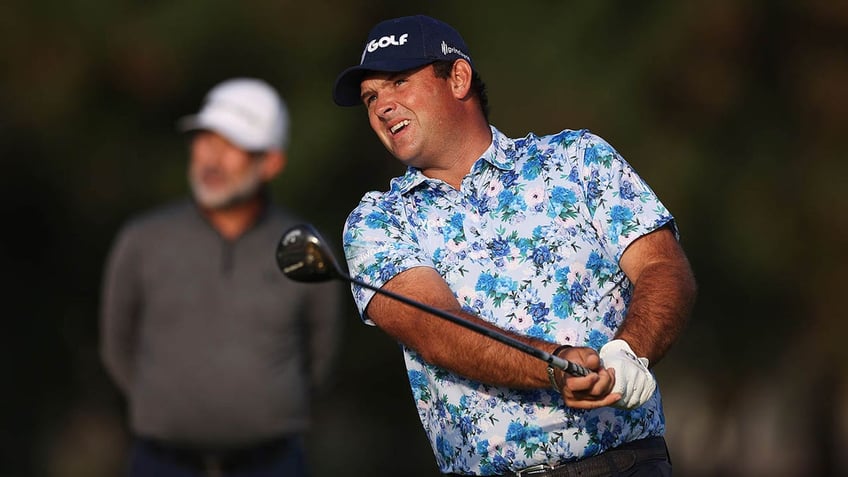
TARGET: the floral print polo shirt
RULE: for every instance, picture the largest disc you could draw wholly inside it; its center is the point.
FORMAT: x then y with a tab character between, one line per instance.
530	243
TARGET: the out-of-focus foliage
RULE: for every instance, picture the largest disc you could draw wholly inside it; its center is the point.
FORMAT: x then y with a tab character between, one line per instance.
734	112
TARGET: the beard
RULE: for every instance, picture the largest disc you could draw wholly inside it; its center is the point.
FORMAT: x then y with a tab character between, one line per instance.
232	194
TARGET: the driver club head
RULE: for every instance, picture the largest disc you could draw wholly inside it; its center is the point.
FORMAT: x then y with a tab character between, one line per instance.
303	256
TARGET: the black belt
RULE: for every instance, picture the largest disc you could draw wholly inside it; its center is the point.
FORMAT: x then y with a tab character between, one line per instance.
605	464
215	462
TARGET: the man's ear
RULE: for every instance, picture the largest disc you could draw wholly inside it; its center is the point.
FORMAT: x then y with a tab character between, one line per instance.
273	163
460	78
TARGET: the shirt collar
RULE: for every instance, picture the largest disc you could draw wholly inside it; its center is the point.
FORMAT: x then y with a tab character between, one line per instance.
501	154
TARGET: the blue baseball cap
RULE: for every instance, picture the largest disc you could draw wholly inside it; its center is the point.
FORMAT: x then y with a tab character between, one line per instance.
400	44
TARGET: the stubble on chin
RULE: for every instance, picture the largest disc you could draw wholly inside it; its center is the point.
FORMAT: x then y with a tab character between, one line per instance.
226	197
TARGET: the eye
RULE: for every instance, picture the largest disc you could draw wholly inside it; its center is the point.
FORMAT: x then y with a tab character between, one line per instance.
400	81
368	99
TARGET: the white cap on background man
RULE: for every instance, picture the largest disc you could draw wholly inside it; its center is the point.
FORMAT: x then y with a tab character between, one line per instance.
247	111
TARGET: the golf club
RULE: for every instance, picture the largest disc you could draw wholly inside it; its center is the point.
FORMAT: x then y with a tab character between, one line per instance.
303	256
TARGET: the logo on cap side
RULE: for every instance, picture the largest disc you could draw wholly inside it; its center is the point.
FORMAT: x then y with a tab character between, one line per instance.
446	50
383	42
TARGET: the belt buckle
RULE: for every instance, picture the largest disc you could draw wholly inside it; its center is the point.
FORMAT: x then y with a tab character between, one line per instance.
538	469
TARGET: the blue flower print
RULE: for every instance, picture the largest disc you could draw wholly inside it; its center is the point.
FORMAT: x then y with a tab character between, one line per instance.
388	272
500	464
620	214
541	255
509	179
524	433
597	339
601	268
611	319
593	190
444	446
375	220
590	156
621	222
625	191
531	168
562	305
354	219
536	331
564	196
486	283
500	247
538	310
505	199
576	292
574	175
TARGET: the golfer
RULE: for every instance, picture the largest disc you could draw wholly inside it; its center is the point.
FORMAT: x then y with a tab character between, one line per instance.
553	239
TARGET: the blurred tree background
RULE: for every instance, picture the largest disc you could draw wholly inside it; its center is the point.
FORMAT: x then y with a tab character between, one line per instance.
734	112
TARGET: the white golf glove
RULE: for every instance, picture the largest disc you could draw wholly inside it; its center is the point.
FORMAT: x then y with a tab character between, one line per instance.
632	378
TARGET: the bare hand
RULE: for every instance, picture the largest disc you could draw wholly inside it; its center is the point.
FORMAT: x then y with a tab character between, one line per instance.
592	391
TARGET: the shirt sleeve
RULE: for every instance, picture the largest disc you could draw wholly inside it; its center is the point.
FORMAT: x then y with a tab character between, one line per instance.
119	308
621	204
379	244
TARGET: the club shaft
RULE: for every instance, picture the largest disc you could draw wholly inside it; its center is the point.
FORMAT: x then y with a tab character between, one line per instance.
569	367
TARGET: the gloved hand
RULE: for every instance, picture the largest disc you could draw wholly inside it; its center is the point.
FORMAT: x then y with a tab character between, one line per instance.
632	378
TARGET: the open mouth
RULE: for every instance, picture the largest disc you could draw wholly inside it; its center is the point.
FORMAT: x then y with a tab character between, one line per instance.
397	127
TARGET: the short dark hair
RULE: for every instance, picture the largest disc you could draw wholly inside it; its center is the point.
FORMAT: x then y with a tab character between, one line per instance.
443	69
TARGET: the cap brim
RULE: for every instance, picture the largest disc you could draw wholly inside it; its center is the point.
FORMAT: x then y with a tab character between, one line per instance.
189	123
346	91
198	122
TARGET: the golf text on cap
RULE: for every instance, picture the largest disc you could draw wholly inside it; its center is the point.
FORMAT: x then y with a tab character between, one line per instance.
383	42
446	50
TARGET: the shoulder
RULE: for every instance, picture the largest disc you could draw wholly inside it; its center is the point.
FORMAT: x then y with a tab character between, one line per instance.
560	151
147	228
391	199
163	216
375	206
581	146
564	138
565	144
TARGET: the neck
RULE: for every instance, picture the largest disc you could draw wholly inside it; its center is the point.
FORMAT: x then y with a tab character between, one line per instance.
233	221
470	143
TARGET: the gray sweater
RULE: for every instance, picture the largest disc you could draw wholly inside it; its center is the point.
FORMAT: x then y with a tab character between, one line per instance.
212	345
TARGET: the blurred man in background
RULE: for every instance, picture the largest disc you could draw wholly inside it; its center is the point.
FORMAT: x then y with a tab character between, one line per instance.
553	240
216	352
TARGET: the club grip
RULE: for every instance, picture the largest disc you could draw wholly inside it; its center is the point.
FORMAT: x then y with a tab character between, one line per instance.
569	367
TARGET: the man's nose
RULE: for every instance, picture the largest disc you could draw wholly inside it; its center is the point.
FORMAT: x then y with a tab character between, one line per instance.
385	104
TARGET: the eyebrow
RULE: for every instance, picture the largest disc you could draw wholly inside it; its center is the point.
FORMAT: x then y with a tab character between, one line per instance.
388	79
398	74
392	77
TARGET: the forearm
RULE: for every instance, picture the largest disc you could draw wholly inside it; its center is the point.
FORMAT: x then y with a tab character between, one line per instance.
661	303
467	352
